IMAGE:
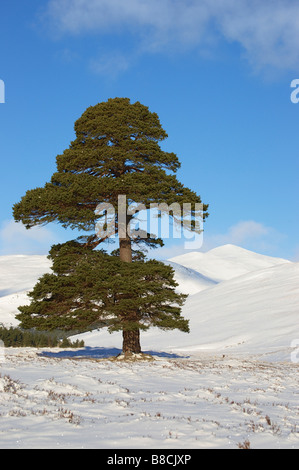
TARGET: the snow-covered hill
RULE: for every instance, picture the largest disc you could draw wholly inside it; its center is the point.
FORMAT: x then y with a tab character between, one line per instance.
190	281
238	301
225	262
255	311
18	274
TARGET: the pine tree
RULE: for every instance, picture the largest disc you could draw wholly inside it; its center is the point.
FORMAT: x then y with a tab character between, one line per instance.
116	153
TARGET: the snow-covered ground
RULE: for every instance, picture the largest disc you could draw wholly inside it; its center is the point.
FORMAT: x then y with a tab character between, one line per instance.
170	403
232	382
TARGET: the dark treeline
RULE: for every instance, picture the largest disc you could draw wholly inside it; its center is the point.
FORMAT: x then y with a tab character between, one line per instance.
16	337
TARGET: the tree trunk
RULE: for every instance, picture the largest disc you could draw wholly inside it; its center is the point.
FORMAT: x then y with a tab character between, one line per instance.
125	250
131	338
131	342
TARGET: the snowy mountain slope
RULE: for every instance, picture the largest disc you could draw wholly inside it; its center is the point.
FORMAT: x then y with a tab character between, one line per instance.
9	307
254	313
257	313
20	272
190	281
225	262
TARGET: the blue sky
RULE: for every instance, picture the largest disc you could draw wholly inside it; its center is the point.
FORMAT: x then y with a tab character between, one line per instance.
218	74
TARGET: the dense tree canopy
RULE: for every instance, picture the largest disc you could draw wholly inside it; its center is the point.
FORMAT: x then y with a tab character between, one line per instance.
116	151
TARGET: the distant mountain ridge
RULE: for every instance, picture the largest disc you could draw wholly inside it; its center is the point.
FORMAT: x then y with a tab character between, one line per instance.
226	262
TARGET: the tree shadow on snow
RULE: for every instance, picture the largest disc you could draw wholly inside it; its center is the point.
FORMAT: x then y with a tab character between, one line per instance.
102	353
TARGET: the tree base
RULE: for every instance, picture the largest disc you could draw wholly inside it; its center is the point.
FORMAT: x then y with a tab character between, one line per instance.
133	357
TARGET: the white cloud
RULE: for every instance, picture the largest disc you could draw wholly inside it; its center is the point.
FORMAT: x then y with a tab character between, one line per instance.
248	234
267	30
243	232
110	64
15	239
